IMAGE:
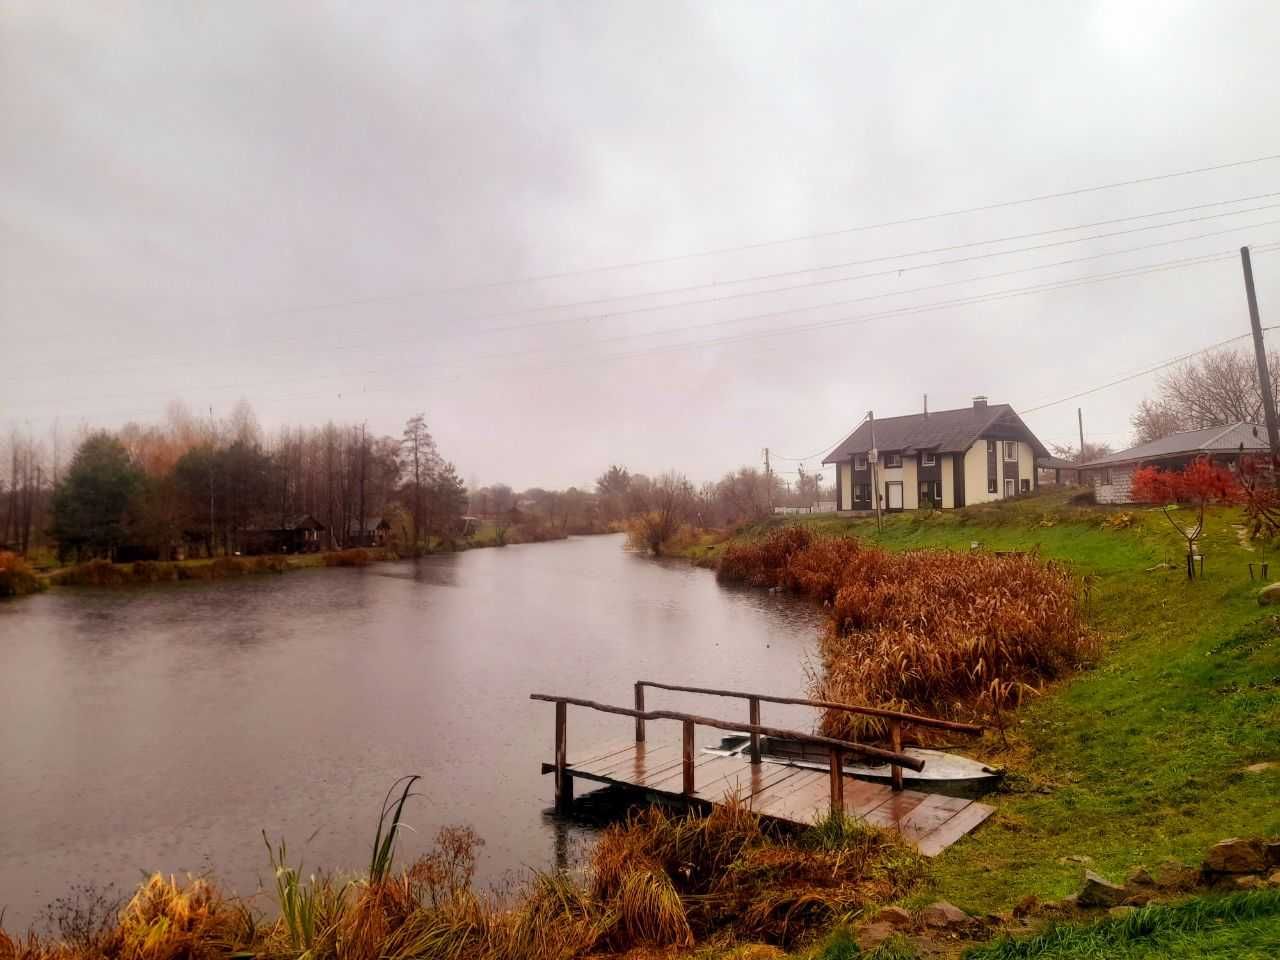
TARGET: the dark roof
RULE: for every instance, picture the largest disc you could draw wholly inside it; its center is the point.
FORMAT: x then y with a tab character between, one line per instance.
944	431
1220	439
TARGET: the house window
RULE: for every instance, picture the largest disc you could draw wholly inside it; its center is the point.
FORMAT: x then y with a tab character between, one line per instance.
860	462
1106	477
1024	485
1009	488
937	491
1011	450
862	492
991	484
991	449
892	460
929	460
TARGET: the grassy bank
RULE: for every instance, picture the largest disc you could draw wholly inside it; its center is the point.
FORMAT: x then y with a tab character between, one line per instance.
1147	755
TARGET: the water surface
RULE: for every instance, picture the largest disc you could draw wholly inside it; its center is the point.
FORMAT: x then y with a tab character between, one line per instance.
164	728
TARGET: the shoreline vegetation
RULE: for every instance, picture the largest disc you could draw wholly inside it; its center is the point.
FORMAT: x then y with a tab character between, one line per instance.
18	578
1139	726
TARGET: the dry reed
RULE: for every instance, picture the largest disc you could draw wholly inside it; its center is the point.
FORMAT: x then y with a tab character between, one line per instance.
962	635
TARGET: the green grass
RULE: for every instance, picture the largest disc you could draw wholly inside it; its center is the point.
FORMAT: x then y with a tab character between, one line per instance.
1142	757
1242	925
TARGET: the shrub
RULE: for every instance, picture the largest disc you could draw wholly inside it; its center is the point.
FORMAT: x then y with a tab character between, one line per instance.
270	564
942	632
221	567
95	573
17	579
353	557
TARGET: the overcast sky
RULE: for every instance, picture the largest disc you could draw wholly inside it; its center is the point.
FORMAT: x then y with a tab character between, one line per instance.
335	212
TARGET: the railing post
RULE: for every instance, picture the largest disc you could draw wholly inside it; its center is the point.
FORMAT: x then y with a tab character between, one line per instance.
895	740
836	759
755	722
640	707
688	757
564	782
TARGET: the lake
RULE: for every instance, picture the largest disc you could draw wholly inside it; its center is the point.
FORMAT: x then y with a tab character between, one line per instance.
164	728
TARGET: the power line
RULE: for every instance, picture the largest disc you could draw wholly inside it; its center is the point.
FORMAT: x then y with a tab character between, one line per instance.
993	296
903	221
689	288
1142	373
847	301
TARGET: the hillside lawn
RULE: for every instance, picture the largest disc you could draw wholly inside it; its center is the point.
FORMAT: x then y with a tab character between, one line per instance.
1143	756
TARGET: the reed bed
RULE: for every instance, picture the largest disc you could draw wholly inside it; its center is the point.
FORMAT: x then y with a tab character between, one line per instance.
660	881
17	579
960	635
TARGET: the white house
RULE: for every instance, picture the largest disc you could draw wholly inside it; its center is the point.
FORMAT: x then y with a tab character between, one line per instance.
943	458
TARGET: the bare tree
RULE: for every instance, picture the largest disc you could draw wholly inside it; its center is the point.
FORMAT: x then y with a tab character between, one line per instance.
1216	389
1070	452
670	499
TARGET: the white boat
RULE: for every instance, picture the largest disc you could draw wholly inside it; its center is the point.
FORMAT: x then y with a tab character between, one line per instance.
942	773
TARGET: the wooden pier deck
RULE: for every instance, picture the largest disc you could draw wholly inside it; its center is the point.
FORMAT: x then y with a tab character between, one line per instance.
676	770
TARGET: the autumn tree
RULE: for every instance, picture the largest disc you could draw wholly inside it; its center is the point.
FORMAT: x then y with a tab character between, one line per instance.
91	504
669	501
420	460
1215	389
1199	484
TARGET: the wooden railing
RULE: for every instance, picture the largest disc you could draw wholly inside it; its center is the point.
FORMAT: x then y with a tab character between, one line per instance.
836	749
896	719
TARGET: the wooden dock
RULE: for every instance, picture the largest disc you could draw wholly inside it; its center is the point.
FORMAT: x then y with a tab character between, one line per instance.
676	770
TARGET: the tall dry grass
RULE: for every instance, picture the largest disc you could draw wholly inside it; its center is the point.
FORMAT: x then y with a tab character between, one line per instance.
660	881
16	577
962	635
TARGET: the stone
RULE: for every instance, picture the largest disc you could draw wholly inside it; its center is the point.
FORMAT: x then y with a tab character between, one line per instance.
1122	910
1067	905
943	914
1139	877
1262	767
874	934
1269	594
1176	875
1274	879
1236	855
1248	881
1028	906
1098	891
895	917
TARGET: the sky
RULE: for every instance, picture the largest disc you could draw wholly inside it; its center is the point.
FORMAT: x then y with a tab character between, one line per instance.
560	229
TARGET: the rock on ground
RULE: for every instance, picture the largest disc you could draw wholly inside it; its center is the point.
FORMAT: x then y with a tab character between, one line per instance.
1236	855
943	914
1098	891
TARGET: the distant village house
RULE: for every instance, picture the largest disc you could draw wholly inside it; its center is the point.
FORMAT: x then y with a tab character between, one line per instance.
938	459
1112	476
300	534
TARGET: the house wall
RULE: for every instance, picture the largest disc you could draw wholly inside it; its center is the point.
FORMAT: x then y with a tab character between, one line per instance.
906	475
1119	490
846	486
976	466
975	475
1027	464
948	482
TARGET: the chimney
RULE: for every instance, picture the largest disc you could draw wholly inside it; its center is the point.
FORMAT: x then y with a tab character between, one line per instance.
979	401
926	406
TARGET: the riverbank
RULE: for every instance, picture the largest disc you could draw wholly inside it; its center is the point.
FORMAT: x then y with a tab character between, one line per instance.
103	573
1169	744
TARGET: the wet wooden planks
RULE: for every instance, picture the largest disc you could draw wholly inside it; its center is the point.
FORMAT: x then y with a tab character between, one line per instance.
931	821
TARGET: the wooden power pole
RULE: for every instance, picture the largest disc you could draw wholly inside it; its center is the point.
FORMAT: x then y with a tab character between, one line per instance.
873	461
1080	424
1260	351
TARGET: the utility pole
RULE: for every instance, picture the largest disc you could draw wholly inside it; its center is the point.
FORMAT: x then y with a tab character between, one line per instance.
212	441
1264	374
873	460
768	479
1080	423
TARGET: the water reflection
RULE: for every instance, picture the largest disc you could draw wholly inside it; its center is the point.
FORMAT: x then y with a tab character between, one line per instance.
164	728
